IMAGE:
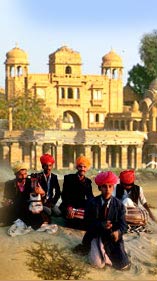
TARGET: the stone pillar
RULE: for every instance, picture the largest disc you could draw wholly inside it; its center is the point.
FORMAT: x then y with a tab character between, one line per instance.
10	119
124	155
88	152
66	93
116	156
138	157
6	153
110	156
133	157
74	154
103	163
131	126
15	153
95	159
59	156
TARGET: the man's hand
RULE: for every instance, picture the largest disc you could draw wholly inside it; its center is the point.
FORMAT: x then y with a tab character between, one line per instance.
107	224
115	235
39	190
70	213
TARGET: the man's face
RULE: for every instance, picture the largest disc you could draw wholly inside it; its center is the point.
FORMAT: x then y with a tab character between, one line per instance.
47	168
21	175
106	190
82	169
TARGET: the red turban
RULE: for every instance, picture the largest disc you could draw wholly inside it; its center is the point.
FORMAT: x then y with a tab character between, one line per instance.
106	177
47	158
82	160
127	176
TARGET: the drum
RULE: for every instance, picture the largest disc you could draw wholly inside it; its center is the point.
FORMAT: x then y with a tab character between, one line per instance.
79	213
136	216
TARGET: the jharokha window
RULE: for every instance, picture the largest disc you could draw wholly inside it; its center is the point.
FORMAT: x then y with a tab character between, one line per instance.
68	70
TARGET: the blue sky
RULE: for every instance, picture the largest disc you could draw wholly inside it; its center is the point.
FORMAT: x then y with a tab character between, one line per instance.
90	27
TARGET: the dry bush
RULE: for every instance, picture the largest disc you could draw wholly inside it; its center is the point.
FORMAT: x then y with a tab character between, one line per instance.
50	262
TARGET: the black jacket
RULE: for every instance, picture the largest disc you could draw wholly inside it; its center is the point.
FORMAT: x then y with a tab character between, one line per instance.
12	192
96	228
54	192
134	192
116	214
75	193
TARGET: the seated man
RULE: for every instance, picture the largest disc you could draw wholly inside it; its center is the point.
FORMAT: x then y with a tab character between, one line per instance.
16	203
106	221
128	189
77	189
17	199
16	194
50	185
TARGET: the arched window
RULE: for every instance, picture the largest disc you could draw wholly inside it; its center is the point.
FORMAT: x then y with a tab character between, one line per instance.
19	71
70	93
68	70
12	71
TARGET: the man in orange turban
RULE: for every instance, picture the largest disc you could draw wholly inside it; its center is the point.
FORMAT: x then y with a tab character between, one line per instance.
106	221
127	189
83	160
77	190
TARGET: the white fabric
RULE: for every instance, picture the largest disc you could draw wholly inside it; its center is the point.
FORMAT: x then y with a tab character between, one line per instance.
128	203
97	255
35	205
49	228
19	228
142	199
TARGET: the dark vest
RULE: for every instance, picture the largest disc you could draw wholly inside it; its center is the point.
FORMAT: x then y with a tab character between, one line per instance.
133	195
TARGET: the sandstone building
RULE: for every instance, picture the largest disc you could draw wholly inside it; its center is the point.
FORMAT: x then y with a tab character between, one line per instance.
93	114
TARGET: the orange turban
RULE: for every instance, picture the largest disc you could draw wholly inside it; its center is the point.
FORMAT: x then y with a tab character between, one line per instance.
106	177
47	158
83	160
127	176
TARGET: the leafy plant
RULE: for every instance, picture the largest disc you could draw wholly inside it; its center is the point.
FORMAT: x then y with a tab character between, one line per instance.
53	263
140	76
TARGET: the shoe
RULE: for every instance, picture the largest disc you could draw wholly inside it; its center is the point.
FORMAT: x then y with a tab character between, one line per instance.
127	267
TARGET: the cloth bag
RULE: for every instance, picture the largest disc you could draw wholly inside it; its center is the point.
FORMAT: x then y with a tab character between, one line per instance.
18	228
35	205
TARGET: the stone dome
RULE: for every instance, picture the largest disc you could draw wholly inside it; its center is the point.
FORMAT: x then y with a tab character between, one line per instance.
112	60
153	85
16	56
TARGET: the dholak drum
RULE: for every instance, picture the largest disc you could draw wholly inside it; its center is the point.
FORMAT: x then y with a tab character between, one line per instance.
136	216
79	213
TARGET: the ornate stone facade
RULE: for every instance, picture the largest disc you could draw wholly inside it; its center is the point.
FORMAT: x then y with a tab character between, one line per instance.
90	115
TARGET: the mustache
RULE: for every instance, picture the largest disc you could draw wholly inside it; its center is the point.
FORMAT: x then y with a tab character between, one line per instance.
20	180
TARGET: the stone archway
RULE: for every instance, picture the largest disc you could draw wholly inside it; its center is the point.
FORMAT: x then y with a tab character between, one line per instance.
71	120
